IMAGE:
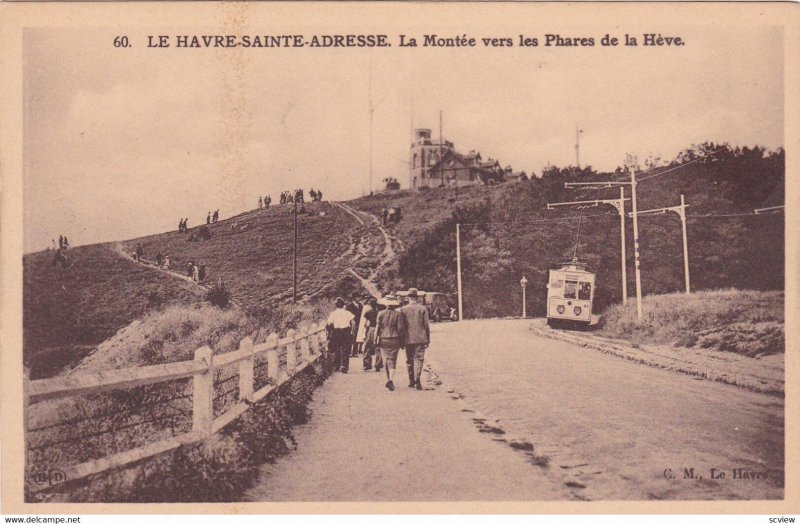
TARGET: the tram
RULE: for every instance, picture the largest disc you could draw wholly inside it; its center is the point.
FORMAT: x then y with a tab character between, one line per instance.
570	295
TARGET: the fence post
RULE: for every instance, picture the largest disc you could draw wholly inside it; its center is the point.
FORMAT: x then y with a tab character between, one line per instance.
246	370
291	352
203	393
304	346
273	367
313	341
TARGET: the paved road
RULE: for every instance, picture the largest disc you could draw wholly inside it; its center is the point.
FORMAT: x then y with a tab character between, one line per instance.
610	425
364	443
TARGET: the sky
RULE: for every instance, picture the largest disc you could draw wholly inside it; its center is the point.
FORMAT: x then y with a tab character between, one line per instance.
120	143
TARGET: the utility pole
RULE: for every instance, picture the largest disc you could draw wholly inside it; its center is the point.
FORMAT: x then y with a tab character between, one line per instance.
458	272
639	314
371	111
619	205
294	255
681	212
632	183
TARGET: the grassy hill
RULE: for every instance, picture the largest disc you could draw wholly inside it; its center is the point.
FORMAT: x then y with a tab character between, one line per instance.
68	312
252	252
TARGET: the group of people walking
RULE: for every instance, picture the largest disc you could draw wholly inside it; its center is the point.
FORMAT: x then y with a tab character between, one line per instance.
381	328
264	203
298	196
183	225
212	218
196	272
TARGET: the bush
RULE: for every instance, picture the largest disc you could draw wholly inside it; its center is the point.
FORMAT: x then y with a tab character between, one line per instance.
218	295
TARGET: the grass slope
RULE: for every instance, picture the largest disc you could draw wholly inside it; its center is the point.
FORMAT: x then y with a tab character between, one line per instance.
746	322
67	312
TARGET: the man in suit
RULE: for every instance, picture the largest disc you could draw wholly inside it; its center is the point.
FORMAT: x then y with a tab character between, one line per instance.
418	336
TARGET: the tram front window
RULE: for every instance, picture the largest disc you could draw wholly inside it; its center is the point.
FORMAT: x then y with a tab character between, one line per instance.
585	291
570	289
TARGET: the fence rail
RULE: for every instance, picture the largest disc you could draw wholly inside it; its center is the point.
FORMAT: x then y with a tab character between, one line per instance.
302	349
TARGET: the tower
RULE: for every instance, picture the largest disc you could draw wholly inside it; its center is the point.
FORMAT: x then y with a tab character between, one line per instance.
425	153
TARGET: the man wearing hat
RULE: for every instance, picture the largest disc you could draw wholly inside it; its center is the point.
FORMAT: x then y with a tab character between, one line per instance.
340	328
418	336
390	334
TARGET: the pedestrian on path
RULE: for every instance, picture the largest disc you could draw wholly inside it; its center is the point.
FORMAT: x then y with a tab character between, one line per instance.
340	328
390	334
418	336
355	307
370	318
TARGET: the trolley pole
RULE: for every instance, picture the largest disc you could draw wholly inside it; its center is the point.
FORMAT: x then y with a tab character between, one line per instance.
458	272
636	248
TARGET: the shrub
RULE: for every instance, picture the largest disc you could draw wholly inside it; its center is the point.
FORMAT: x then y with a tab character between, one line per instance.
218	295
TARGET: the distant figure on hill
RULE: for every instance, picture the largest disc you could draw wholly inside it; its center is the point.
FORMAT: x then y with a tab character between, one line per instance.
339	328
196	273
312	194
319	196
159	259
267	201
190	269
137	254
166	262
201	275
180	226
216	216
208	218
384	215
260	203
53	240
66	242
60	241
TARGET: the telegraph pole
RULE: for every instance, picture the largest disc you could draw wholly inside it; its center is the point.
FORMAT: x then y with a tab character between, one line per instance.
681	212
458	272
619	205
639	314
441	159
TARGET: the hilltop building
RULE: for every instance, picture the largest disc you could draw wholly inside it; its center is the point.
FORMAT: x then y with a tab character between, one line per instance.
453	169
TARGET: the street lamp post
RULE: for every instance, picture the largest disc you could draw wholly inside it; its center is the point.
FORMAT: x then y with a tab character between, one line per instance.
523	283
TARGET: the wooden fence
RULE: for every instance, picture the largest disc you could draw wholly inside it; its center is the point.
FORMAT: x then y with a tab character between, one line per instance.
302	349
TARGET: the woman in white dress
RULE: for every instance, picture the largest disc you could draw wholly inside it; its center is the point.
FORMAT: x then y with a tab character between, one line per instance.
361	334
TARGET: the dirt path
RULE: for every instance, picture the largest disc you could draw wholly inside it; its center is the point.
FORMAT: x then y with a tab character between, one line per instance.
364	443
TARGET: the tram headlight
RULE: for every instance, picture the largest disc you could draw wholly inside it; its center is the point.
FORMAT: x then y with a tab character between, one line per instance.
578	310
560	309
